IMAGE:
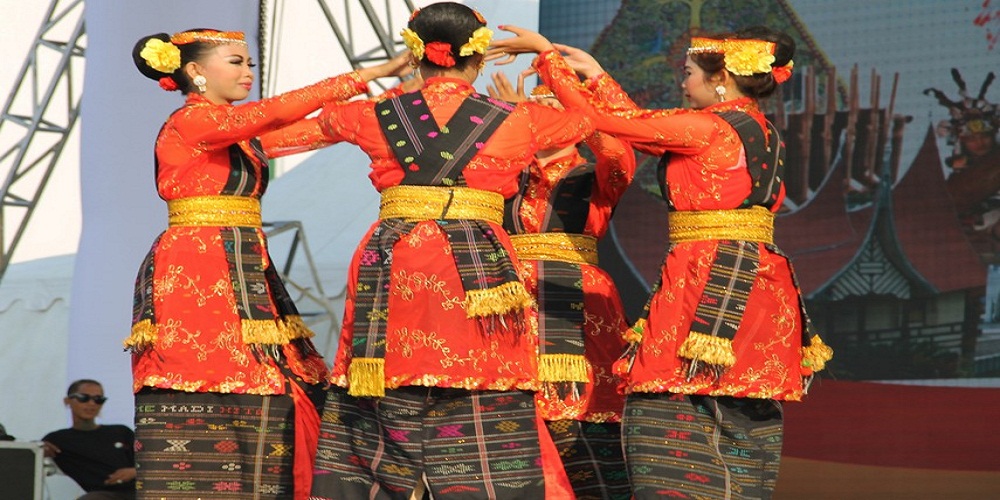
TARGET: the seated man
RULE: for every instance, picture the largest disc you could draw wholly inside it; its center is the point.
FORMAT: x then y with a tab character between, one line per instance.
100	458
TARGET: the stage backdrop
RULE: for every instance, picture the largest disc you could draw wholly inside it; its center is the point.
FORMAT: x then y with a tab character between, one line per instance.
890	123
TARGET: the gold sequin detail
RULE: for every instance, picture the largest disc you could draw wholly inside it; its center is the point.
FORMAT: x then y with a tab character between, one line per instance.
224	211
574	248
430	203
751	224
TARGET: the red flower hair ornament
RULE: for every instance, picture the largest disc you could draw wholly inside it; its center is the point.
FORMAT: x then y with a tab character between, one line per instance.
167	83
782	73
439	53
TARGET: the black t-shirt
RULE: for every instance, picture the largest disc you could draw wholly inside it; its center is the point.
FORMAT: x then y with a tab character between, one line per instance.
89	457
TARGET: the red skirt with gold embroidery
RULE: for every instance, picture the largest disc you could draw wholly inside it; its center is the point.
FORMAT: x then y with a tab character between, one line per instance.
430	341
767	344
604	322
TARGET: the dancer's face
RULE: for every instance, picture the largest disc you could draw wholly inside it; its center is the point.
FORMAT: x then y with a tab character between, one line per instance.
698	90
228	70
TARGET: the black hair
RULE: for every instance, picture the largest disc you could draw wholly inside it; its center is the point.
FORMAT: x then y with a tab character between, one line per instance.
448	22
758	85
192	51
75	386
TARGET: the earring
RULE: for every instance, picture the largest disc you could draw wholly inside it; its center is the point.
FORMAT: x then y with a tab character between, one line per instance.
721	91
482	64
200	81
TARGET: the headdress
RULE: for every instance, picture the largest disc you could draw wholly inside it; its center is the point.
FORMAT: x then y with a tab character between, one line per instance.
440	53
968	115
542	92
743	57
208	36
165	57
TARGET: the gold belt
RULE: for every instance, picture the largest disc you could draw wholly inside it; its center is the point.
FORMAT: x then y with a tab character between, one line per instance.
749	224
575	248
438	203
224	211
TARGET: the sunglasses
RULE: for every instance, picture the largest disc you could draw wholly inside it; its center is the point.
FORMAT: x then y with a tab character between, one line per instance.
83	398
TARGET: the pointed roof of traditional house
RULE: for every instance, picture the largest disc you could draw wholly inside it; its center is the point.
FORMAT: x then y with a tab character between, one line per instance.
928	226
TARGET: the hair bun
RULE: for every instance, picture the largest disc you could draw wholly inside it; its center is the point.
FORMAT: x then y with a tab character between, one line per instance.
141	64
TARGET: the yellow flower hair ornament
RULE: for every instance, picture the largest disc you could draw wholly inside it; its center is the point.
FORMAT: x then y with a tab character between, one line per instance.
478	42
413	42
748	60
743	57
162	56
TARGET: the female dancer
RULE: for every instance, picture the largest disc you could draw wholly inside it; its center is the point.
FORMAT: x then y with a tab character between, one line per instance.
724	338
555	221
433	384
223	366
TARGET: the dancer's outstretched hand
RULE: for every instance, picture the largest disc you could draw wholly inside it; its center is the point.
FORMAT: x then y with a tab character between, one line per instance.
524	42
582	62
502	88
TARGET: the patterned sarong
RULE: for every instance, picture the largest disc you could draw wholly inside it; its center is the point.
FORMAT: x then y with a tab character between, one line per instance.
592	455
211	445
680	446
462	444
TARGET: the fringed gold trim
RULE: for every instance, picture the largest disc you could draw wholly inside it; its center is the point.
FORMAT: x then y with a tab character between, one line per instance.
296	328
263	331
563	368
715	351
366	377
143	335
816	354
508	297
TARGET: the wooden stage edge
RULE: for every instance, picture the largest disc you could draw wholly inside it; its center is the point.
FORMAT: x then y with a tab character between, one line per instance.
818	480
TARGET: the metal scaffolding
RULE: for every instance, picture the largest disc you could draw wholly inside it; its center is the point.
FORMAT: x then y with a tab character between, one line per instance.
38	117
43	108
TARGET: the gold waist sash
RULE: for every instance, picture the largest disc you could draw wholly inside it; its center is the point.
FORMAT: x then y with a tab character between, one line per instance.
214	211
749	224
575	248
438	203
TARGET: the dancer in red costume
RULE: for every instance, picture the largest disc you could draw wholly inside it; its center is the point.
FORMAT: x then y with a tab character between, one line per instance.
724	338
564	207
223	367
434	381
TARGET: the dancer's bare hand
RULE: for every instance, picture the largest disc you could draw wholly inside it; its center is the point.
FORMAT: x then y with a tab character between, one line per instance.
524	42
580	60
503	90
398	66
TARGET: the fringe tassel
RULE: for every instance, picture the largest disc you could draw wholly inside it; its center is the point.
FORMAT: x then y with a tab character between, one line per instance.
708	349
815	355
510	296
366	377
563	368
512	322
263	331
713	353
143	335
295	328
634	334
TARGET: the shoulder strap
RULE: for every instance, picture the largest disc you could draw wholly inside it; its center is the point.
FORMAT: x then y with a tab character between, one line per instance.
431	156
765	157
